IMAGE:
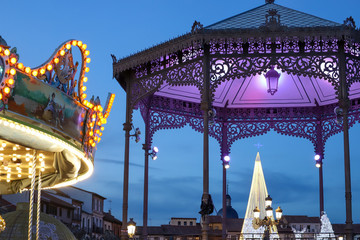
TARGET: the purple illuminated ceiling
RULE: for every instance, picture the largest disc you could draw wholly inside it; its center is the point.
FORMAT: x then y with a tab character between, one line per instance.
250	92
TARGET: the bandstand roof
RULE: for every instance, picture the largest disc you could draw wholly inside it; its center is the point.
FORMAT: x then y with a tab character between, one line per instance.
235	54
254	18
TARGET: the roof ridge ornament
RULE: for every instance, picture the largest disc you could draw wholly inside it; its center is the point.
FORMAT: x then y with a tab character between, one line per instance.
269	1
350	22
272	18
196	27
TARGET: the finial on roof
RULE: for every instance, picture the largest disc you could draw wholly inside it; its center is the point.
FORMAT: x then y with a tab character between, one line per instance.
197	26
350	22
269	1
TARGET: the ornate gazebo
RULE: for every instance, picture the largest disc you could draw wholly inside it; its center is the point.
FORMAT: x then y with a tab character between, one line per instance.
270	68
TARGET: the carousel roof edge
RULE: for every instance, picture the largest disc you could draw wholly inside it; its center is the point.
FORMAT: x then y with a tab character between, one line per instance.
205	35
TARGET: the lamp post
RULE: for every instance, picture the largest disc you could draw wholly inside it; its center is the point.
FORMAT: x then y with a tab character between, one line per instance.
131	227
268	221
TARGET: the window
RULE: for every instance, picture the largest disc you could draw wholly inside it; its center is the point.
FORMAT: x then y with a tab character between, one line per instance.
69	213
60	211
185	223
191	223
179	223
308	228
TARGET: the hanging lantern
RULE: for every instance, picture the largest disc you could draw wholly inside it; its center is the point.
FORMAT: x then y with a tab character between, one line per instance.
131	228
272	80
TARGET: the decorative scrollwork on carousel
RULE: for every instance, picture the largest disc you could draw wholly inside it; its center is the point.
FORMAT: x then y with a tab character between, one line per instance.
163	120
330	127
303	129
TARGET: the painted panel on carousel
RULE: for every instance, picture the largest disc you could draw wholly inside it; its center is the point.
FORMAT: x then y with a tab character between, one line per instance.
43	102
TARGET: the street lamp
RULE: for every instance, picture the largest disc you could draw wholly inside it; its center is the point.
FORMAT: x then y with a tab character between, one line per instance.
272	80
268	221
226	161
318	161
131	227
154	152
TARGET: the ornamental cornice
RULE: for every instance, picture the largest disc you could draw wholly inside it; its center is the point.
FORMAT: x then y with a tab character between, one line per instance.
208	35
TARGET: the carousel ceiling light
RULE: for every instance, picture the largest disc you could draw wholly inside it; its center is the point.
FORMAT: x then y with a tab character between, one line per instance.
272	80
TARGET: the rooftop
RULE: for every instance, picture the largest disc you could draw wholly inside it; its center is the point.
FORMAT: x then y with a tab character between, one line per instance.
255	18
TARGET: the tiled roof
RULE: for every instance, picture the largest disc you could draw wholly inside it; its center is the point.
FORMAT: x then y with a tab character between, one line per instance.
340	228
255	18
46	197
301	219
110	218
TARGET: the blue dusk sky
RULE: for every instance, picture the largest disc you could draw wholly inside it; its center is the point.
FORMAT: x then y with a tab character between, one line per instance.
36	28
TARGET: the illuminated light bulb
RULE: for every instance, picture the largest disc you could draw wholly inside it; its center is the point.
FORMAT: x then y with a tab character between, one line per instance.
42	169
1	96
41	155
56	60
87	69
42	71
6	90
3	144
85	79
49	67
1	158
12	125
7	52
83	95
20	66
91	134
19	175
68	46
93	144
87	52
18	168
12	71
74	43
42	164
27	70
83	88
7	180
95	138
27	159
10	81
34	73
99	123
91	141
94	115
100	108
91	124
99	139
88	60
1	49
79	43
13	60
85	102
102	128
27	149
14	158
84	46
97	131
103	121
62	52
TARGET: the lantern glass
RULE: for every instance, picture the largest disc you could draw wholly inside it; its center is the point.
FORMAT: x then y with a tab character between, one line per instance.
268	201
278	212
272	80
269	211
256	212
131	228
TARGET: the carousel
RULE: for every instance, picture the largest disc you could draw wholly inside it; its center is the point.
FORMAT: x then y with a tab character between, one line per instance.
49	128
271	68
